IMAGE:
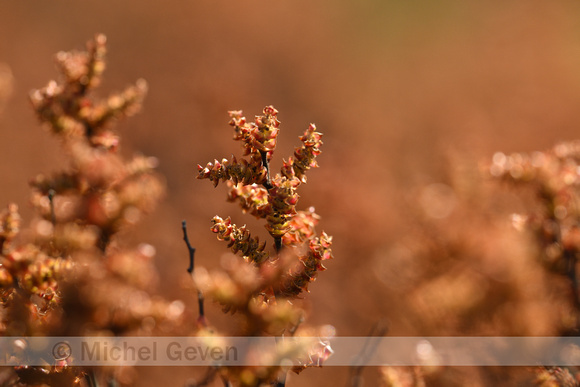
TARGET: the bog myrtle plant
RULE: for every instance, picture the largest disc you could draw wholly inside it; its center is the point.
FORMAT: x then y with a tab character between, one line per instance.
70	273
502	263
552	178
67	274
264	284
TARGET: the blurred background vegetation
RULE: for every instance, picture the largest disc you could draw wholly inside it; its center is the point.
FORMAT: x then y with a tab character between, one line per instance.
404	92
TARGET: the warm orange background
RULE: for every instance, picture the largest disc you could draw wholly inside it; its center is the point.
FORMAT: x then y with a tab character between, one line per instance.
395	86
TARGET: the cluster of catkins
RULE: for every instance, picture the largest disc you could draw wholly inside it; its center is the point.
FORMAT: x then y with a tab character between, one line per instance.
263	285
67	275
554	178
500	262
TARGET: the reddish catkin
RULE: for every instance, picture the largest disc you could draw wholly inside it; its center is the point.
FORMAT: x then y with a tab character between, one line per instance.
282	199
266	133
239	239
252	198
9	225
243	133
259	136
302	227
296	280
84	69
67	107
237	171
305	156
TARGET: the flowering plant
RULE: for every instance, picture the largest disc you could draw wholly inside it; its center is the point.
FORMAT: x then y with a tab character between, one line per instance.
67	275
263	285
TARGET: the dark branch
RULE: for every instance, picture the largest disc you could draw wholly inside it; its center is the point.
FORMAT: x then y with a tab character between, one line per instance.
278	244
191	250
265	164
91	379
51	194
200	301
104	239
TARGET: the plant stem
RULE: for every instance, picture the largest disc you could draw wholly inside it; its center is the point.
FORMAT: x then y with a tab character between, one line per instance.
51	194
278	244
91	379
200	303
266	165
104	240
191	250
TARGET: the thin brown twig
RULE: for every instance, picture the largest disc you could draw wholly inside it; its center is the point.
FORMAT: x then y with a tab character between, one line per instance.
190	248
190	269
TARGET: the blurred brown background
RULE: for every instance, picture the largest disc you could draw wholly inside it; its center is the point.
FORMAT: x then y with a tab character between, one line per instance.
395	86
